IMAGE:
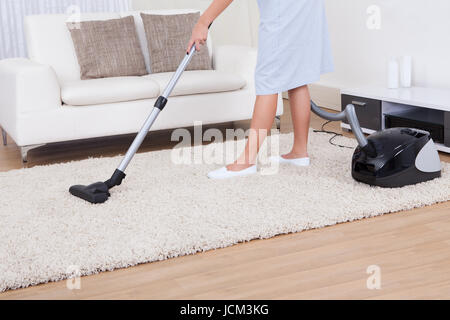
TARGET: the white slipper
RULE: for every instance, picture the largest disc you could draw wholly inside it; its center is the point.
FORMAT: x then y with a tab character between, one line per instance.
224	173
299	162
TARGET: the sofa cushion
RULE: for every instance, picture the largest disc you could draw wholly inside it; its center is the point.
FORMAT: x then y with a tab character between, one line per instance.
108	48
108	90
143	37
200	81
167	38
49	41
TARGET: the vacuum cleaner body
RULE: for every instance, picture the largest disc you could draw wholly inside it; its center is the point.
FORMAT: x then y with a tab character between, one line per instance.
403	156
391	158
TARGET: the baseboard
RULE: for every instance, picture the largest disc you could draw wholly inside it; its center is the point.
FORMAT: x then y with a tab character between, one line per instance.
324	96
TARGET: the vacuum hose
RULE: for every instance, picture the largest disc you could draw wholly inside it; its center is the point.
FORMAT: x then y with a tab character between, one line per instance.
348	114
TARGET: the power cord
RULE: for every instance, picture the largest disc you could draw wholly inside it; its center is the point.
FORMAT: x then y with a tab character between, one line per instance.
335	135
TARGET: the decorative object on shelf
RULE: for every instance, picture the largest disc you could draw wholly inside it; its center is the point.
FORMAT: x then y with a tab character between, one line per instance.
393	74
406	72
12	12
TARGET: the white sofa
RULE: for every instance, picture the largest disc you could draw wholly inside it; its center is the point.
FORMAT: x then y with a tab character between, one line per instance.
43	100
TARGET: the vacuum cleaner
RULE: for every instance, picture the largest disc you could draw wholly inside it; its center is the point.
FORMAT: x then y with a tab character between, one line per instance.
390	158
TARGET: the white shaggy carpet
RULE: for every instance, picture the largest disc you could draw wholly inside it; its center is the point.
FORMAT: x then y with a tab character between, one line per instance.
165	210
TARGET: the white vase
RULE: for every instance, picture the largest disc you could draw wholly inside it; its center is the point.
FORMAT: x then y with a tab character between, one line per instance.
406	72
393	74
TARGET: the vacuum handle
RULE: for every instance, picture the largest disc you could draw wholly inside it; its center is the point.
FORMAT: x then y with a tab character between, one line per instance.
182	67
348	114
193	46
173	82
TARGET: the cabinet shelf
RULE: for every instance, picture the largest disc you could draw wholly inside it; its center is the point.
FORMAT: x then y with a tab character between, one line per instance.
421	108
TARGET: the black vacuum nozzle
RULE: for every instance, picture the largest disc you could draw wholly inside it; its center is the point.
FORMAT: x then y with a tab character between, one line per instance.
94	193
98	192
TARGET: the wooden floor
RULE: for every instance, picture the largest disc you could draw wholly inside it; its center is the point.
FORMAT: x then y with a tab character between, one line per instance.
412	250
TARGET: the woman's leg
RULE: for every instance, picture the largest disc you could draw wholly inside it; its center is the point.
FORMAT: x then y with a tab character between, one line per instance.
300	102
262	121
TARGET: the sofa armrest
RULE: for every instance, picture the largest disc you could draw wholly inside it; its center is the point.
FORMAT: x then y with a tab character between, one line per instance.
237	59
27	86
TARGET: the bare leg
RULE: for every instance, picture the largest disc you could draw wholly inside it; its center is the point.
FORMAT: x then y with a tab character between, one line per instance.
300	102
263	116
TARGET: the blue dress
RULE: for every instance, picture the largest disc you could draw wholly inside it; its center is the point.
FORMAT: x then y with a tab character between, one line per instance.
294	46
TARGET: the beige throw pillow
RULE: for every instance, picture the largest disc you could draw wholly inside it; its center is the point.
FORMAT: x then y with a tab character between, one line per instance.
168	37
108	48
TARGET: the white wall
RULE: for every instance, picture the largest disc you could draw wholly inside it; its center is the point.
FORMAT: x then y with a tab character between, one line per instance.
419	28
238	24
12	12
408	27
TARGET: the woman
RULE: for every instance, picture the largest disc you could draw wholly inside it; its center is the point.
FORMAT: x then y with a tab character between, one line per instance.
294	50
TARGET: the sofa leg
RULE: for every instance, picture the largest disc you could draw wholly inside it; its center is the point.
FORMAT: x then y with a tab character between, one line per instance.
5	137
24	151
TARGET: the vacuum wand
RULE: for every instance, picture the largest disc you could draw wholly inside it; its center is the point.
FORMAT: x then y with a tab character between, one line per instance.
99	192
159	106
119	174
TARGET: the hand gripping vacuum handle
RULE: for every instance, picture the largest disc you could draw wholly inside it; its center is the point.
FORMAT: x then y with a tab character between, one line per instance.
162	100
